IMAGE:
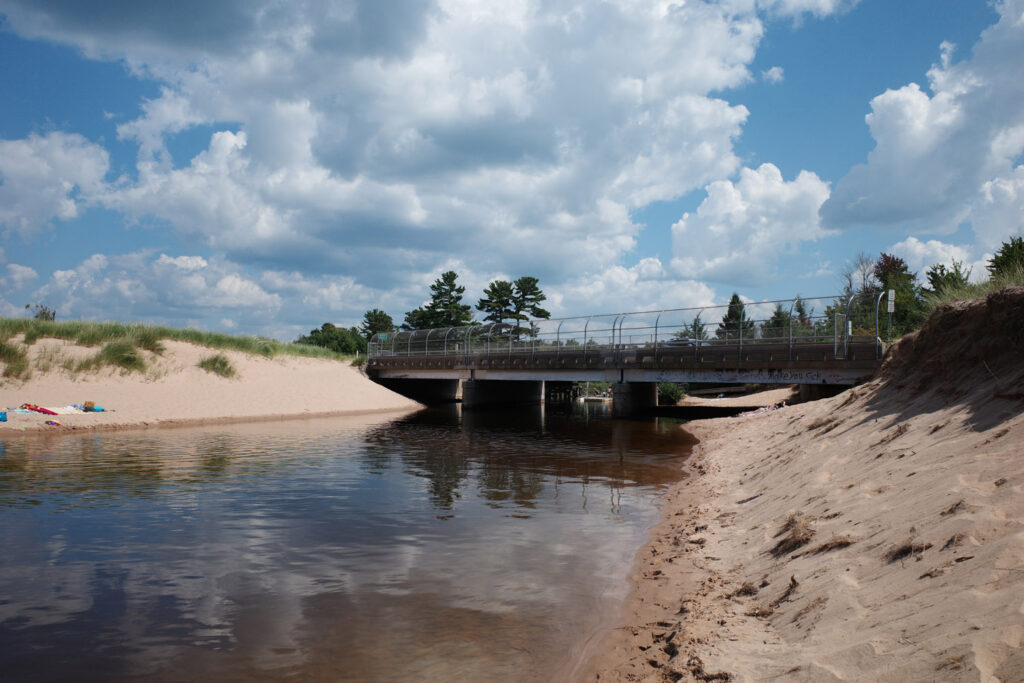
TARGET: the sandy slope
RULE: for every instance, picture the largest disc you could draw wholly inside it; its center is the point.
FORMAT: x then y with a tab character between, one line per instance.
174	390
874	536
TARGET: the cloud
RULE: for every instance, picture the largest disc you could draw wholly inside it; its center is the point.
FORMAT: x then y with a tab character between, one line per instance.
18	277
920	255
163	289
740	229
357	152
773	75
945	156
47	177
455	130
798	8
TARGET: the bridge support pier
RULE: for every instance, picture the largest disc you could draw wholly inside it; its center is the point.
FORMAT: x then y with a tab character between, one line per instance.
633	398
426	391
484	393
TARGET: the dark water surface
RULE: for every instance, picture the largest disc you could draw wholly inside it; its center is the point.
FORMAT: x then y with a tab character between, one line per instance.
432	547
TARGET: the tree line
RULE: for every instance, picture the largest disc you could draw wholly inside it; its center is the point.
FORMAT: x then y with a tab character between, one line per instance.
503	301
864	279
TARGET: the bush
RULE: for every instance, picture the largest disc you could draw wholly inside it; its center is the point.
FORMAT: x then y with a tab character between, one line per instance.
218	365
669	393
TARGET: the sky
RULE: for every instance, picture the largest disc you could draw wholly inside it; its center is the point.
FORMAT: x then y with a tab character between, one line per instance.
259	167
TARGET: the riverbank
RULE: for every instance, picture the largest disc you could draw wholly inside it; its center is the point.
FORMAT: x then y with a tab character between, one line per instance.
876	535
174	390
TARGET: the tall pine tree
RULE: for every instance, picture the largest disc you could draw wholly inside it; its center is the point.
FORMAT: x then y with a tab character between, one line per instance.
734	320
445	308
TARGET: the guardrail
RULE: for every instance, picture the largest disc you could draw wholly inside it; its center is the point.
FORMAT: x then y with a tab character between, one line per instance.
785	321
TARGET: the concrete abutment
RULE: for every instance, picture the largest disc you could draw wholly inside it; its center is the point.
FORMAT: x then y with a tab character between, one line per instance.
634	398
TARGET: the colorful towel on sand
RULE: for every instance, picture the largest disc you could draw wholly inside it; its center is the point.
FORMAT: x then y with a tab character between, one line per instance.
37	409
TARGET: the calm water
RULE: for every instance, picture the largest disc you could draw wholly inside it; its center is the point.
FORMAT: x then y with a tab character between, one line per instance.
431	547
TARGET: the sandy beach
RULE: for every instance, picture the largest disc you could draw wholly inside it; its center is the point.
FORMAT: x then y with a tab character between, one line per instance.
175	391
874	536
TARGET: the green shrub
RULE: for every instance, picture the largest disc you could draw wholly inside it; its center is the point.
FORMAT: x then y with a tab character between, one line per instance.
669	393
218	365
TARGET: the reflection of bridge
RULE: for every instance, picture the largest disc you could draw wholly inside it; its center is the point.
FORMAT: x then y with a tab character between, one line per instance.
783	342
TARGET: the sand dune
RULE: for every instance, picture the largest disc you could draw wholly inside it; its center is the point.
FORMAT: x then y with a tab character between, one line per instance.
874	536
174	390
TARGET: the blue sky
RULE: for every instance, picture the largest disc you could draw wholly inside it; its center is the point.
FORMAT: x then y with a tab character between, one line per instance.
263	168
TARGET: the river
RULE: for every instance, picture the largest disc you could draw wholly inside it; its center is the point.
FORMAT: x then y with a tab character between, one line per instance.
434	546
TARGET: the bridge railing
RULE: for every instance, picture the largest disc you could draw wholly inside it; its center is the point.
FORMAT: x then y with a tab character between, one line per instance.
833	320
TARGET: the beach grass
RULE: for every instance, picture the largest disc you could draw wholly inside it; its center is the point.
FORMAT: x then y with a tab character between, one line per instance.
123	344
15	360
1014	277
148	337
218	364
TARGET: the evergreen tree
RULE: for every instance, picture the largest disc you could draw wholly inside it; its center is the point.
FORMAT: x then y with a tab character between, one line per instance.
526	299
417	319
778	325
445	308
695	330
734	320
942	279
374	321
497	301
1008	259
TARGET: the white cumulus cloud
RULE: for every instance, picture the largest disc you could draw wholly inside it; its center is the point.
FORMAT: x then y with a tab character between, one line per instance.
948	154
740	229
47	177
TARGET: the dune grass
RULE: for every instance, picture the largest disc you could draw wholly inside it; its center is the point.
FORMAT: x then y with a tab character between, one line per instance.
15	360
123	344
218	364
977	290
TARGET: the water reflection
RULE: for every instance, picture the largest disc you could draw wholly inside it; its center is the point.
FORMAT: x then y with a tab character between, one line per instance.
435	546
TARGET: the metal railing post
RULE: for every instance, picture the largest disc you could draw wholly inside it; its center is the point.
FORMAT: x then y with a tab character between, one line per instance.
426	343
585	326
558	340
743	317
697	325
847	328
878	338
656	321
790	320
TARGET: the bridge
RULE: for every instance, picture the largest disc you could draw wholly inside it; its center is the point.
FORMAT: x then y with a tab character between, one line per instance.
806	341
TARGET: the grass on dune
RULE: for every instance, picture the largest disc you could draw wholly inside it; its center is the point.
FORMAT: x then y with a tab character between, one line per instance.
218	364
123	344
977	290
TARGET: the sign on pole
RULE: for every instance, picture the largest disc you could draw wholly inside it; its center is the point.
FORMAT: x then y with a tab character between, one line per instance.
891	301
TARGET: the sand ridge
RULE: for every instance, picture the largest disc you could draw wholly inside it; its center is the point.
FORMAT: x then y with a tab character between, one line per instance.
874	536
175	391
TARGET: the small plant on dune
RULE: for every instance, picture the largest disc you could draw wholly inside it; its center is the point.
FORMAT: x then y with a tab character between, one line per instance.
795	533
218	365
147	338
15	360
120	353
